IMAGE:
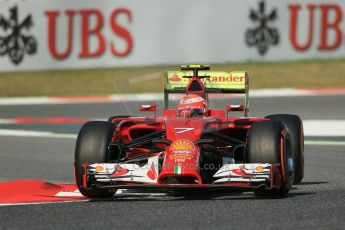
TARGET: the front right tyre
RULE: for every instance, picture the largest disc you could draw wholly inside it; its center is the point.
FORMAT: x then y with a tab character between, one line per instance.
270	142
295	127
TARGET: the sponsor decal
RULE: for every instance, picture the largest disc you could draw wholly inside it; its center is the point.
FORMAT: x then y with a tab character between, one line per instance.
119	171
263	34
327	24
181	157
182	146
284	132
99	168
239	172
175	78
152	174
215	77
91	33
230	78
259	168
181	150
15	40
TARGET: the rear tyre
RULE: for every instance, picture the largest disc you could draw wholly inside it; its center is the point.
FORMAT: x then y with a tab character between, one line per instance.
295	127
92	147
270	142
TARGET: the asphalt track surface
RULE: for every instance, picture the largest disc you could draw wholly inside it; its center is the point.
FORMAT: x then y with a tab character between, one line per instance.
318	203
325	107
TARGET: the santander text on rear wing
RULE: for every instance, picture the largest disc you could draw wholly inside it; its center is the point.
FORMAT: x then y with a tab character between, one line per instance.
217	82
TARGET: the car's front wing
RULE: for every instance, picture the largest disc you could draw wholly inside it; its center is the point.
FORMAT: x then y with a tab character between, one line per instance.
112	176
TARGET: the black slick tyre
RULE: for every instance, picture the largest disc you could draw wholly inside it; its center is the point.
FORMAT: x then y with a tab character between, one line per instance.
92	147
295	127
270	142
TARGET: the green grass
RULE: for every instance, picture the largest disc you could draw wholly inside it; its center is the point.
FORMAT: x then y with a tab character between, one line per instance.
94	82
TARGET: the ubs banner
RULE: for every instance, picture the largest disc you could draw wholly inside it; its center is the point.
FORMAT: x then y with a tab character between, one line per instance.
59	34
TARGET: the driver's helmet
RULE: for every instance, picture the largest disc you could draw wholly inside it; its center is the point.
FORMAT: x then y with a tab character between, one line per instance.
192	105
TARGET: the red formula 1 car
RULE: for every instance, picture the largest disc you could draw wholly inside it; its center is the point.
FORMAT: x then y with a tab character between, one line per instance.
193	147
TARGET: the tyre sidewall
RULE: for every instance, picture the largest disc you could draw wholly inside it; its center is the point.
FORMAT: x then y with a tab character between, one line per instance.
92	147
295	127
269	142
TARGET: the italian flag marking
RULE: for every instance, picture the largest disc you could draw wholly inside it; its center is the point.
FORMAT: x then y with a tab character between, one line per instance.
177	169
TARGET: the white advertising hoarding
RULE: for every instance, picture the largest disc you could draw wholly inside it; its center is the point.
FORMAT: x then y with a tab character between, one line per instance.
64	34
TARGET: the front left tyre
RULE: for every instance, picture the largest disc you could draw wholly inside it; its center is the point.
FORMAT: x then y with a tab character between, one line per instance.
92	147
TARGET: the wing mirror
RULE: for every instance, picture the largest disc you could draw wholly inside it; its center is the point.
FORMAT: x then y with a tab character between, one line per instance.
149	108
235	108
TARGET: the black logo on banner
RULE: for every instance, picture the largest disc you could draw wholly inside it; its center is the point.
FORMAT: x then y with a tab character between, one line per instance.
14	38
262	35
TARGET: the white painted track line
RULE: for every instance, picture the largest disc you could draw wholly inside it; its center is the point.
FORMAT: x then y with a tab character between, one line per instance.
284	92
324	142
329	128
26	133
40	203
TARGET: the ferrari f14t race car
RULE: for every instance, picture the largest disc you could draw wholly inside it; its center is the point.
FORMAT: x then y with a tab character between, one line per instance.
192	147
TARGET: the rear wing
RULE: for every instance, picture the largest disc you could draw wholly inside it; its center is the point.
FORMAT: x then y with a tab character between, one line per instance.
217	82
